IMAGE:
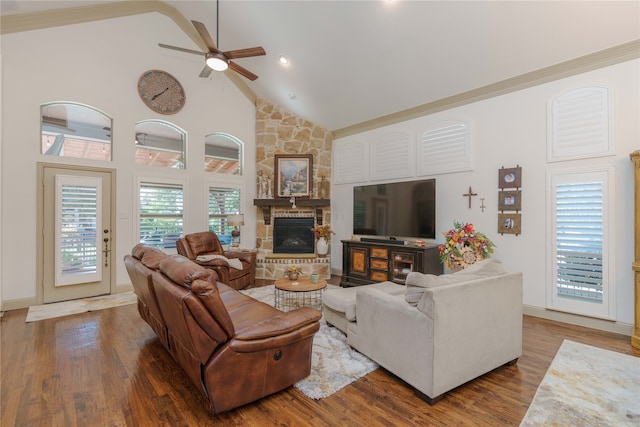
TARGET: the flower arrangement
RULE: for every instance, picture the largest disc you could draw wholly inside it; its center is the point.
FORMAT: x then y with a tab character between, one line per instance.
464	246
294	269
323	231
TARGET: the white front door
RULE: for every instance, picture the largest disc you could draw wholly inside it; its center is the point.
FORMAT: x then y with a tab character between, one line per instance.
76	233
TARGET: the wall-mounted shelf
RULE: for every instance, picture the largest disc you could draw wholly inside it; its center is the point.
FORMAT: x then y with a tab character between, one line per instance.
266	205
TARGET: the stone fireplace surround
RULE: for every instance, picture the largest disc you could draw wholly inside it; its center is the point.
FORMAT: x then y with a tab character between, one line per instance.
280	132
272	266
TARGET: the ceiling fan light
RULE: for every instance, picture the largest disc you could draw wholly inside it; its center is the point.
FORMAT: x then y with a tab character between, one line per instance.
217	61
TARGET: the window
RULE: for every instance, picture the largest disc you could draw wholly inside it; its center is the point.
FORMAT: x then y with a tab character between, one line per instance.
161	214
579	124
222	202
443	148
75	130
581	281
222	154
161	144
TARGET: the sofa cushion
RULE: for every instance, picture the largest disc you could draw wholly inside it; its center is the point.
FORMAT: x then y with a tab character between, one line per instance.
343	300
417	282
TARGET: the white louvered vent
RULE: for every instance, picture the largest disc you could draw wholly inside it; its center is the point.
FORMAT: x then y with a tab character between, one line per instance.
391	156
350	163
444	148
579	124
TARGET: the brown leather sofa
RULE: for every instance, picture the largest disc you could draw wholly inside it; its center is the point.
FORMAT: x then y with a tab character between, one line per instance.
234	348
207	243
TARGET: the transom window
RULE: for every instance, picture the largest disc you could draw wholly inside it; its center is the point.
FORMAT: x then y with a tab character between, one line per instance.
75	130
160	143
222	154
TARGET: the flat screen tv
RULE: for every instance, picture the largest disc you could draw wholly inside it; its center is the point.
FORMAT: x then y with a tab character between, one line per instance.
395	210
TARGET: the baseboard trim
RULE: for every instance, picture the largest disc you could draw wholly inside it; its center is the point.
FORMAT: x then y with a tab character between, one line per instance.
17	304
574	319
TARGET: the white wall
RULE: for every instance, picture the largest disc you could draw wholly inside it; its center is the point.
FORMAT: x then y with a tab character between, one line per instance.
99	64
511	130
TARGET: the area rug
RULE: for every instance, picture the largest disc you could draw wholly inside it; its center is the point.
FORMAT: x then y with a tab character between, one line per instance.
587	386
65	308
334	364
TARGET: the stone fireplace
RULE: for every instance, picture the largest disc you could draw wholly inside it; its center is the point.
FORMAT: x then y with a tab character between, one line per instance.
280	132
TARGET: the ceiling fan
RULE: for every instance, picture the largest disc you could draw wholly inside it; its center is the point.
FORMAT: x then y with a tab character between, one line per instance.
217	59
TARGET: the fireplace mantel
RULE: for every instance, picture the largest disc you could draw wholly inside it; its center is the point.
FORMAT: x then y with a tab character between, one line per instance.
266	205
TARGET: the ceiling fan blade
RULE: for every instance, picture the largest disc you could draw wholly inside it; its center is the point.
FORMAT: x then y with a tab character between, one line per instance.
245	53
242	71
206	71
206	37
182	49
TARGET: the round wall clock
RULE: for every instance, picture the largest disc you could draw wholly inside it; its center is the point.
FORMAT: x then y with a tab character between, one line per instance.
162	92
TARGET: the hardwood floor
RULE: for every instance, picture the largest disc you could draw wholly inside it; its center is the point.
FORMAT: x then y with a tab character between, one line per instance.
107	368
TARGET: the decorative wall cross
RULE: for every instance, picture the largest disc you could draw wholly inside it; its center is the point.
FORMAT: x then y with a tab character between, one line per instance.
470	194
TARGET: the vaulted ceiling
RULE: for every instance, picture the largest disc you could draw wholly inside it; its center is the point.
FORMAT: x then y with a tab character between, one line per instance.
357	64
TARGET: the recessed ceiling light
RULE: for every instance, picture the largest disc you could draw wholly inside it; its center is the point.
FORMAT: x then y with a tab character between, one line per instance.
292	95
283	60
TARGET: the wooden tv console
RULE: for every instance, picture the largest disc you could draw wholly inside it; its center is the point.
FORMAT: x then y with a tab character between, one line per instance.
364	263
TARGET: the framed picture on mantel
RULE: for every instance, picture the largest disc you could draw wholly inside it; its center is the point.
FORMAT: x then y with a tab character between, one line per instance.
293	175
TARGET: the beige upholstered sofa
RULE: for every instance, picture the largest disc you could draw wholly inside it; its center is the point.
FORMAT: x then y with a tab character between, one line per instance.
438	332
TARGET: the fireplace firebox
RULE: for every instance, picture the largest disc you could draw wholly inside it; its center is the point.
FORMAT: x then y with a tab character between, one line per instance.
293	236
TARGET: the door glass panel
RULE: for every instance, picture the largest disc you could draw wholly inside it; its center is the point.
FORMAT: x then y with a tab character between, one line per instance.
75	130
222	154
77	213
161	144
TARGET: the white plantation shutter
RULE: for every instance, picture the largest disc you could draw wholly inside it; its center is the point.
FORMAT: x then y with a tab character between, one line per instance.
580	124
579	241
222	202
391	156
444	148
78	210
581	281
161	213
350	162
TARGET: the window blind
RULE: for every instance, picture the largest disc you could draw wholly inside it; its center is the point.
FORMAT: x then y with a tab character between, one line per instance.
222	202
579	241
161	214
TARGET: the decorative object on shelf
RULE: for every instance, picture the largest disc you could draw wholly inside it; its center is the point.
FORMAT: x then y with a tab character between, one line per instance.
323	188
235	220
464	246
292	272
293	175
510	200
322	233
470	194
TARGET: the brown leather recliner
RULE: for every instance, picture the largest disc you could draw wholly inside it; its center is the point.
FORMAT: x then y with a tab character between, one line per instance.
234	348
207	243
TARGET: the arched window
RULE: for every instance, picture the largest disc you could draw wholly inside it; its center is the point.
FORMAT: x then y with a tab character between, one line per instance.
75	130
223	154
161	144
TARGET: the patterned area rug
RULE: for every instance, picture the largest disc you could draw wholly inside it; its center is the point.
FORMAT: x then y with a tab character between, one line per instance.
65	308
334	364
587	386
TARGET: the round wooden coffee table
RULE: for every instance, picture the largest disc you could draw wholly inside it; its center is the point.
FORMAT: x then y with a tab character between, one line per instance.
292	294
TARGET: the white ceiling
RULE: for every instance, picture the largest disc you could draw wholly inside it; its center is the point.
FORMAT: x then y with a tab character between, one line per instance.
354	61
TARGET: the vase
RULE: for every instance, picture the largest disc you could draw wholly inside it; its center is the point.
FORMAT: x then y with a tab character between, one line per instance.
322	247
293	276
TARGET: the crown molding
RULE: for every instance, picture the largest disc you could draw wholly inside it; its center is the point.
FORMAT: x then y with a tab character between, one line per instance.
604	58
82	14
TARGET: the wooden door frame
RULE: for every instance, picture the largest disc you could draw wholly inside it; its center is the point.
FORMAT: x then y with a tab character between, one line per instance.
40	223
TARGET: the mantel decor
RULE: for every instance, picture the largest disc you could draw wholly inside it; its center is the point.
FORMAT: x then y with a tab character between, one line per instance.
464	246
293	175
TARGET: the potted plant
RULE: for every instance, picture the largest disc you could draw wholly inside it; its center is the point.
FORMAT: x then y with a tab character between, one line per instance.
322	233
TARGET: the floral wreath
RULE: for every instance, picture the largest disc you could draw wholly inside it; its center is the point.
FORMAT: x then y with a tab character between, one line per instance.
464	246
